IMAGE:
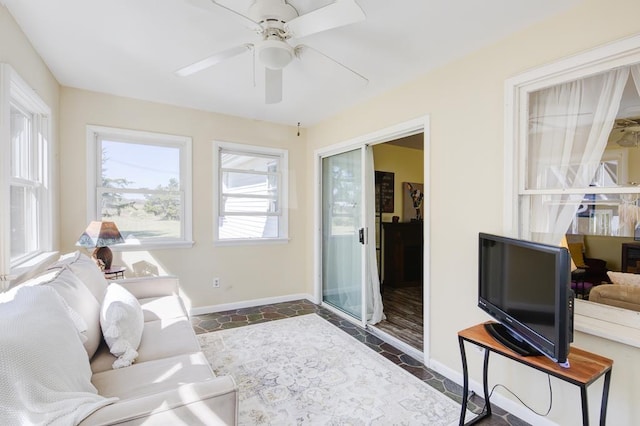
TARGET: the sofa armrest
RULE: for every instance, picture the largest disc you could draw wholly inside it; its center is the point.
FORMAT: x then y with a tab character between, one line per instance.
145	287
209	402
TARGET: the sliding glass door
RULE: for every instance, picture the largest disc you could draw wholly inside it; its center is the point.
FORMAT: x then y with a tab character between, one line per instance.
342	232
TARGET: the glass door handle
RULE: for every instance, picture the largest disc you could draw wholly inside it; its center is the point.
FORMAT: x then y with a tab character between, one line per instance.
361	235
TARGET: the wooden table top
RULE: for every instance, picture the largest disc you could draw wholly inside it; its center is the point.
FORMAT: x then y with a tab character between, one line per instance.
584	367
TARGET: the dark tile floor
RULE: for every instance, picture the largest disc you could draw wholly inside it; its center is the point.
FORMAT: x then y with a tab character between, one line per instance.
241	317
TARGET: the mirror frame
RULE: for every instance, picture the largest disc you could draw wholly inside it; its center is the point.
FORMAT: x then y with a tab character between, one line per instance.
612	323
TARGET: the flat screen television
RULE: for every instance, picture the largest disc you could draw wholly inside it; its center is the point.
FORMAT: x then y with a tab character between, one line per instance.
526	287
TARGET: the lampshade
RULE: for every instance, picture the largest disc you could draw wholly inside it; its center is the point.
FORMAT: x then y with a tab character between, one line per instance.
275	54
101	235
564	243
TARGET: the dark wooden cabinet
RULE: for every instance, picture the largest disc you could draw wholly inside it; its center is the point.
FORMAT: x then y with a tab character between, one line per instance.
631	258
402	253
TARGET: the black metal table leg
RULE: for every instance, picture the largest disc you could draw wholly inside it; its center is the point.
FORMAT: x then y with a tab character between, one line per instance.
585	405
465	378
465	386
605	398
485	382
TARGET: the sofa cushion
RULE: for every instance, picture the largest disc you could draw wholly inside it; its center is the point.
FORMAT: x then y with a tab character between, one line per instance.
44	373
153	376
622	296
86	269
122	322
166	307
623	278
78	297
160	339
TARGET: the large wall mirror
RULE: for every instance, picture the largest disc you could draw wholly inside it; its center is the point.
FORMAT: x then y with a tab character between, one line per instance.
573	133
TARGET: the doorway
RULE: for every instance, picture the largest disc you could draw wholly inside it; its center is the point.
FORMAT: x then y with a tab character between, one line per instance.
401	213
349	244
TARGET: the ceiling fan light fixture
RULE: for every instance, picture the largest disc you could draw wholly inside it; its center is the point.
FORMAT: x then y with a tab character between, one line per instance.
275	54
629	140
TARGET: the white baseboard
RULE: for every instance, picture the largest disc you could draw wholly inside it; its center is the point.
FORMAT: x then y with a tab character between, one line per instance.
506	404
248	304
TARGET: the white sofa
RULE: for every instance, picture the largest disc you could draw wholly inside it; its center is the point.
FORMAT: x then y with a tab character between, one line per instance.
169	382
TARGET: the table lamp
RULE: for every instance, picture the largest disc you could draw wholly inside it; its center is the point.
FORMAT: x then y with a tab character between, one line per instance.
101	235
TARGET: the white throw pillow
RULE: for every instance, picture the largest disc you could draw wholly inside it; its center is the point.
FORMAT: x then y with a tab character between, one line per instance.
623	278
45	377
86	269
122	322
79	298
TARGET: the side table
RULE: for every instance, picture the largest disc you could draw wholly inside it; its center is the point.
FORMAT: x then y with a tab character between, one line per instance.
585	368
114	273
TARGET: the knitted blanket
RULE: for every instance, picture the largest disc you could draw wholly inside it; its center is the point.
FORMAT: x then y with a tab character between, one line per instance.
45	377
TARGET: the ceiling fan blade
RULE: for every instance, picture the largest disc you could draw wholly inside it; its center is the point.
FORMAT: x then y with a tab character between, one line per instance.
201	4
213	60
302	50
273	86
242	19
337	14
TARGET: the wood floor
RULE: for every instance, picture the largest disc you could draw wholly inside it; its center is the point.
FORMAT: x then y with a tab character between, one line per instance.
403	308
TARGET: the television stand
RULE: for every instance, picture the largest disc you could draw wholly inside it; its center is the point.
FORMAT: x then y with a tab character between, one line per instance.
585	369
503	335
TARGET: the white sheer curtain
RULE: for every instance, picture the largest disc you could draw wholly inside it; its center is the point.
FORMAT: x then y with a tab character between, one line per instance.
373	297
569	128
635	72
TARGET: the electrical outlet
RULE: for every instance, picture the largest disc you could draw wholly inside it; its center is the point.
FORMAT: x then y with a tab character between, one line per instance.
216	283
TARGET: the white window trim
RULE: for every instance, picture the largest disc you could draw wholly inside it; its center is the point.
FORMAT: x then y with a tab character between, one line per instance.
138	136
13	87
284	201
608	322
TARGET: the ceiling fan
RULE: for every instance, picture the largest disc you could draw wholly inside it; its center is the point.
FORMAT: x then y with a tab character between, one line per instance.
629	128
277	22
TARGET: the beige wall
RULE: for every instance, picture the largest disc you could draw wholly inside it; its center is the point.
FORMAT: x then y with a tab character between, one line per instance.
465	184
608	249
465	103
17	51
407	165
246	272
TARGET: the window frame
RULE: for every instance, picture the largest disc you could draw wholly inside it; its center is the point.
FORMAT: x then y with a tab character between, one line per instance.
16	93
604	321
282	212
94	173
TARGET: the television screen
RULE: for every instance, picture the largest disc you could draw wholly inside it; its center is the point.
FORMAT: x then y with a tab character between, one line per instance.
526	287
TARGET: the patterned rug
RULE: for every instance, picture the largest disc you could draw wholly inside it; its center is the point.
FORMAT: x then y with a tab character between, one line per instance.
305	371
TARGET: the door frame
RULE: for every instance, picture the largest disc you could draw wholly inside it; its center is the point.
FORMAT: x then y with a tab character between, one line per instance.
406	128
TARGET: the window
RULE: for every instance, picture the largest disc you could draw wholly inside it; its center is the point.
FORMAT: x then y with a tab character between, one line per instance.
25	145
551	181
579	172
142	182
251	199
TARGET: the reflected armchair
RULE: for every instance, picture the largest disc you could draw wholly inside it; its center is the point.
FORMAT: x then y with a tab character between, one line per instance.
590	271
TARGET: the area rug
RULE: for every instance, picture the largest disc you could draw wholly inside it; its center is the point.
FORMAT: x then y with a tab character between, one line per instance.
305	371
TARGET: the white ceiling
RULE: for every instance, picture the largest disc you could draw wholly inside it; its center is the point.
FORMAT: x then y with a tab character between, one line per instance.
132	48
